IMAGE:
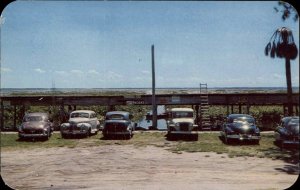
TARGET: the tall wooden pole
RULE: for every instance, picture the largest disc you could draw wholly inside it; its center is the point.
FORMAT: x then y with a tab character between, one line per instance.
289	86
154	108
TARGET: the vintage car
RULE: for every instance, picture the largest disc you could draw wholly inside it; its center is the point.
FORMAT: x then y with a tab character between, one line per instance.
81	122
181	122
118	123
36	125
287	133
240	127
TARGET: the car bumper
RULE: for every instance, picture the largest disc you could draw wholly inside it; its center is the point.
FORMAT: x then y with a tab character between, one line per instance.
290	142
24	135
243	137
183	132
116	133
73	132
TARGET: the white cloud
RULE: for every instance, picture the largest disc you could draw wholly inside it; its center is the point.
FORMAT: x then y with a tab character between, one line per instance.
277	76
76	71
93	71
60	72
145	72
113	75
39	70
5	69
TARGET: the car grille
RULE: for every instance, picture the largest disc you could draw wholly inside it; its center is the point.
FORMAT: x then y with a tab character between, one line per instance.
33	131
73	127
184	126
116	127
292	138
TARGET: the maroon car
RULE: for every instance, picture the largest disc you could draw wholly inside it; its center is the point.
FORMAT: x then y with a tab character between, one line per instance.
36	125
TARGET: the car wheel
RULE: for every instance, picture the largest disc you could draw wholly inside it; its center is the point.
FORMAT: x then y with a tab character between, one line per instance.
195	138
88	133
256	142
227	140
170	137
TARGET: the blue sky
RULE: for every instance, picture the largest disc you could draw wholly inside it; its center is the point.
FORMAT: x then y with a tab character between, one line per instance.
100	44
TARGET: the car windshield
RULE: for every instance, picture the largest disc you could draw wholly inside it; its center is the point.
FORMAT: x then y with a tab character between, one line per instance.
80	114
115	117
293	124
242	120
33	118
182	114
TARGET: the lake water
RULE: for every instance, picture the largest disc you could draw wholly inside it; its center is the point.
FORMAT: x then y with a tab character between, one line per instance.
161	123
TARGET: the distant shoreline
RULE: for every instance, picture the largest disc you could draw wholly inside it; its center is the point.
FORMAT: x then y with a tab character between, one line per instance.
187	90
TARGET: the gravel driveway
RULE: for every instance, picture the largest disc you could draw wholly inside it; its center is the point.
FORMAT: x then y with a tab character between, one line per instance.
130	167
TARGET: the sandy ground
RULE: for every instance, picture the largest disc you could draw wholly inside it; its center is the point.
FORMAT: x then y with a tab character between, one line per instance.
129	167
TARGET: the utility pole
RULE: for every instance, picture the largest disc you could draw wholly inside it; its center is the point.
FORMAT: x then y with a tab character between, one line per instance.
154	108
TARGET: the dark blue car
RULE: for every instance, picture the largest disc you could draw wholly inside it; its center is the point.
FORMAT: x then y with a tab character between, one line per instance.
240	127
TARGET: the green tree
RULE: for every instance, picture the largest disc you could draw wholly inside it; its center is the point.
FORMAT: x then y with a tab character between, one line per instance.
282	45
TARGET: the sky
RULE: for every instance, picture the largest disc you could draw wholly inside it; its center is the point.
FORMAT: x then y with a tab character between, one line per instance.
104	44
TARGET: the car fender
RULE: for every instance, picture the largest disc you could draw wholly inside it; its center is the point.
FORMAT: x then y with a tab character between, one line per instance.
64	125
85	125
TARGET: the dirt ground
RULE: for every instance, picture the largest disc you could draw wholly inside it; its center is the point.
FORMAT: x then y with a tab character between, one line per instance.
129	167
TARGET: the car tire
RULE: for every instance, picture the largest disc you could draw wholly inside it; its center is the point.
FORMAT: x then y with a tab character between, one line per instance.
195	137
227	140
88	133
170	137
256	142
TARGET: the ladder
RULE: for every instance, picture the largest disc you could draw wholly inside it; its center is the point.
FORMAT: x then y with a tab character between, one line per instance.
205	123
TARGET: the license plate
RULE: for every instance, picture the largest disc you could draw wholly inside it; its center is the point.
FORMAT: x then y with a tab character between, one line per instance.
247	136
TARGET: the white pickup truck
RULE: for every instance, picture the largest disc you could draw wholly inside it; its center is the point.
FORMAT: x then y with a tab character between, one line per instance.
181	122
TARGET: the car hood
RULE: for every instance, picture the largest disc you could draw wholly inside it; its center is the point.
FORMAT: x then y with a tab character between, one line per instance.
116	121
34	125
78	120
242	127
293	130
183	120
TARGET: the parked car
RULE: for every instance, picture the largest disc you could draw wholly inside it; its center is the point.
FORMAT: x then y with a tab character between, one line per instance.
181	122
81	122
118	123
287	133
36	125
240	127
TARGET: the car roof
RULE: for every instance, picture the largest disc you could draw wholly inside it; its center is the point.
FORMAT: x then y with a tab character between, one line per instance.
182	109
37	114
287	119
239	115
117	112
86	111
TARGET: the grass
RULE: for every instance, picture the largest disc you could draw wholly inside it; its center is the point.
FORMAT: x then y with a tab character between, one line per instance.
208	142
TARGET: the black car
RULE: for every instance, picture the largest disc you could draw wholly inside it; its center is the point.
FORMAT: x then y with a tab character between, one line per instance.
287	133
118	123
240	127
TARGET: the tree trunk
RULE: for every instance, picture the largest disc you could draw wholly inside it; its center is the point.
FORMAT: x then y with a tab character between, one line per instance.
289	86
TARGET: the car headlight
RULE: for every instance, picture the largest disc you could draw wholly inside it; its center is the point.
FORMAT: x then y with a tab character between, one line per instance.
81	126
229	130
177	124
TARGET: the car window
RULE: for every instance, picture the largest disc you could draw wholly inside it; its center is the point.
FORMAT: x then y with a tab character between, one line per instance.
80	114
244	119
182	114
115	117
33	118
293	124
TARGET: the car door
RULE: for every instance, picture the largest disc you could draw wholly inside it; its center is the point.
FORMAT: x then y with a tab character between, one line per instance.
94	121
